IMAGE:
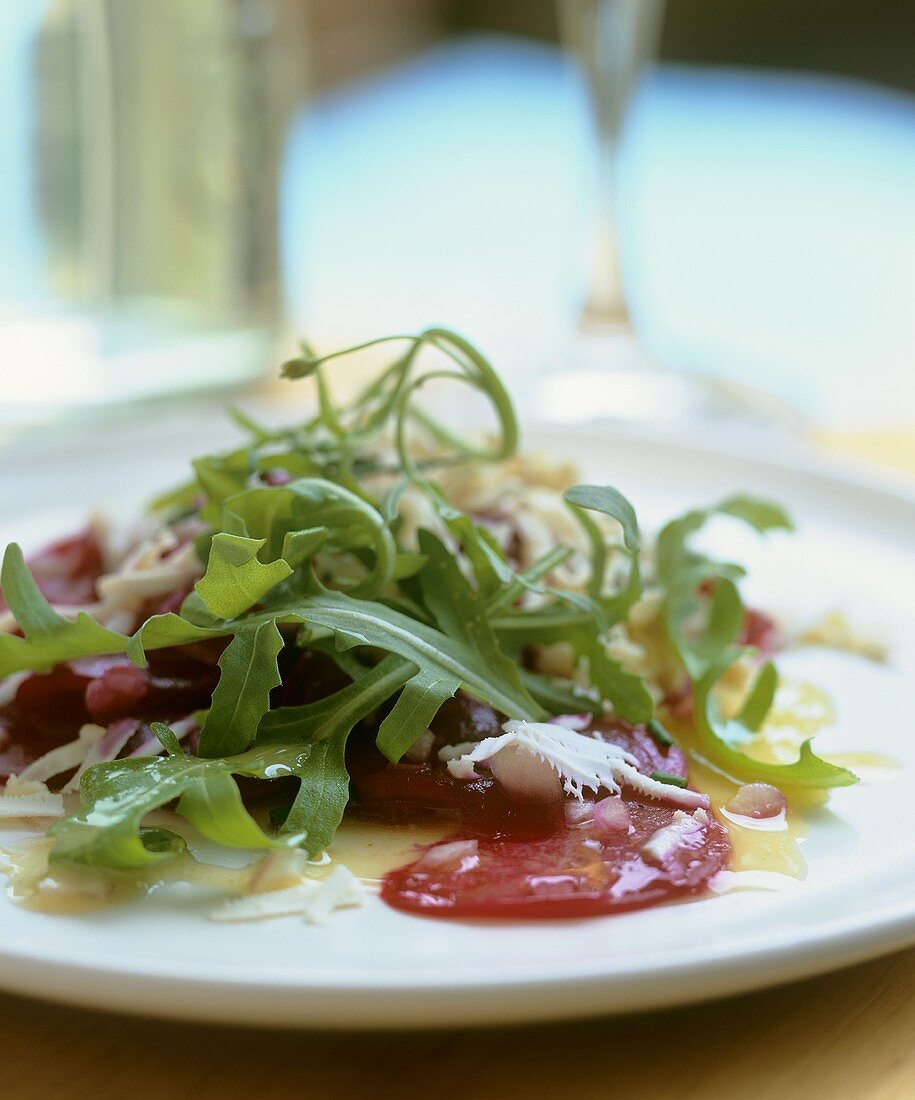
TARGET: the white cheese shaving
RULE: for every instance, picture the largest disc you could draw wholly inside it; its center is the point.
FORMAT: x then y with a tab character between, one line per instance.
106	748
312	899
421	749
456	855
663	843
583	763
147	579
278	870
29	799
457	757
9	685
154	568
64	757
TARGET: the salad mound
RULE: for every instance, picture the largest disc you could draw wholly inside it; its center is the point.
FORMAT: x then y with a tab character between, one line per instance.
367	613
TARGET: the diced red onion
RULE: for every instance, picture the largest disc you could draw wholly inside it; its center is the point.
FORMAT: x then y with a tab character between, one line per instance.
577	722
576	812
611	815
757	800
447	856
276	476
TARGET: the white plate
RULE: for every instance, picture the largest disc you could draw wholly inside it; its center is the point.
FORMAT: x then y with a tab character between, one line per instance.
378	967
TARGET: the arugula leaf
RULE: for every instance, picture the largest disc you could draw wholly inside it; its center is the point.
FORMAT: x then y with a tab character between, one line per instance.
610	502
49	638
248	673
235	580
169	629
490	568
308	503
720	738
118	794
415	708
627	692
683	571
318	807
220	477
527	580
560	696
260	433
366	623
459	610
338	712
323	793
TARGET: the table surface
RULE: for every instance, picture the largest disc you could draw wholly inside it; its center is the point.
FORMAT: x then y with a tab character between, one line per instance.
844	1035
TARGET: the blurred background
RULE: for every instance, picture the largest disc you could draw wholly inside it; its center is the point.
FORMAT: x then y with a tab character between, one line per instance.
703	189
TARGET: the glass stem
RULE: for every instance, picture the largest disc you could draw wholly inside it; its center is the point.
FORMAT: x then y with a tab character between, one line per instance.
612	41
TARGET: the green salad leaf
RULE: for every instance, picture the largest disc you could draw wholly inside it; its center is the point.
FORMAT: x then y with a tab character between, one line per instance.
235	580
300	532
719	738
48	637
117	795
248	673
701	626
368	623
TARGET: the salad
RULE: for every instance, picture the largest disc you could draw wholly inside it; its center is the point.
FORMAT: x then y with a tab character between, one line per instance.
367	617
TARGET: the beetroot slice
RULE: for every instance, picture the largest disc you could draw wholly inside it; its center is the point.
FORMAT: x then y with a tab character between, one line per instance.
534	864
50	707
564	871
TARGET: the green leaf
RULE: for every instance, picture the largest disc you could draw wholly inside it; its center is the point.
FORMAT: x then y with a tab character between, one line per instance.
220	477
759	701
364	622
167	739
117	795
339	712
477	544
610	502
560	696
259	433
324	790
761	515
248	673
540	626
351	523
627	692
169	629
703	627
527	580
417	705
49	638
461	612
323	794
300	546
235	580
719	738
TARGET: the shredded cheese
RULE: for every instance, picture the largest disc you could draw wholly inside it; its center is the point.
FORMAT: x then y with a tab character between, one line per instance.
29	798
312	899
663	843
64	757
583	763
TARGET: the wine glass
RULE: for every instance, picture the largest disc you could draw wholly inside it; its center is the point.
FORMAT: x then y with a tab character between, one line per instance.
605	371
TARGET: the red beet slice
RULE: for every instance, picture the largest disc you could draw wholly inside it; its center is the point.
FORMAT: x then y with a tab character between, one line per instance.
564	871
